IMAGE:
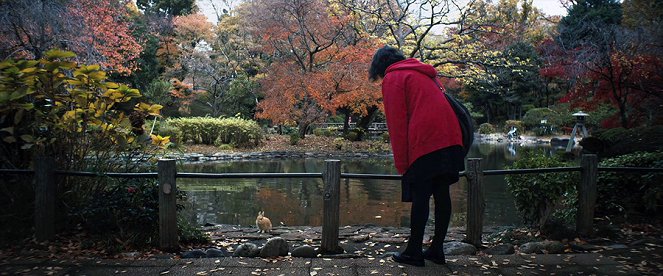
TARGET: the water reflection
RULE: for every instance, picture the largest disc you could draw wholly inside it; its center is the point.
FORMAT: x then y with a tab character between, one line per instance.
299	201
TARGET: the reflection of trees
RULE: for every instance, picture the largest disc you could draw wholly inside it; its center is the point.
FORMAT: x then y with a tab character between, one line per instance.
486	149
300	202
373	188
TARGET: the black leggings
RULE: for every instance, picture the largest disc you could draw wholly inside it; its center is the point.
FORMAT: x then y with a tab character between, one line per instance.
421	193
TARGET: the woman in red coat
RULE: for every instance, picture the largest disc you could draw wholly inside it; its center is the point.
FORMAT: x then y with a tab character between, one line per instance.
426	141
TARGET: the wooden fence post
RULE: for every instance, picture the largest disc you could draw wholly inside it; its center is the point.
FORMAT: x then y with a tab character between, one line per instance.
587	194
330	222
45	195
167	205
475	201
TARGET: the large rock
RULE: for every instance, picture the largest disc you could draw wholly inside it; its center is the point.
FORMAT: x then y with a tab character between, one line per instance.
274	247
215	253
502	249
304	251
247	250
459	248
194	254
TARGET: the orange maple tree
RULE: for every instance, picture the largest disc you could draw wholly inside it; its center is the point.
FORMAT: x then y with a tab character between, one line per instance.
110	33
320	63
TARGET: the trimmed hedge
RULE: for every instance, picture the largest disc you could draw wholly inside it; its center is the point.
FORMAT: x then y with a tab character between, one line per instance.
217	131
620	141
631	193
533	117
486	128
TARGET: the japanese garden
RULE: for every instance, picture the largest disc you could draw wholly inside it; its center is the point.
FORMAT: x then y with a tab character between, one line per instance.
184	129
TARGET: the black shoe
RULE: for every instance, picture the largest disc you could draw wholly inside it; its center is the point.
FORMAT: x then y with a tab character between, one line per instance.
407	259
434	256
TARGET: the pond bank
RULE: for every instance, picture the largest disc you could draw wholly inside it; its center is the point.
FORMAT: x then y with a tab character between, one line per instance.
278	147
368	241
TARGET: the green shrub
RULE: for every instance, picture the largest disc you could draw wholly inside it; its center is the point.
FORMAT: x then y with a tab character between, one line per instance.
620	141
190	234
385	137
486	128
326	132
319	131
216	131
339	143
75	114
611	135
630	193
126	214
294	138
542	130
513	123
165	129
225	147
354	134
532	119
126	210
538	196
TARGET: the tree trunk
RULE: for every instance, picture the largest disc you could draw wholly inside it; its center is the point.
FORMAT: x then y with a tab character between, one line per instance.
366	121
303	127
346	120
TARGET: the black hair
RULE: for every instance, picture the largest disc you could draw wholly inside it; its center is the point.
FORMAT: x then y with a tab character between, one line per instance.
384	57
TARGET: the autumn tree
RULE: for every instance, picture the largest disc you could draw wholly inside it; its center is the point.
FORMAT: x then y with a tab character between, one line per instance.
191	33
98	31
230	77
496	63
353	94
168	7
614	63
302	38
111	34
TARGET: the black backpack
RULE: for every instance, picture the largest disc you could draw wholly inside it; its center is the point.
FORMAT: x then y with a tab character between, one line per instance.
464	119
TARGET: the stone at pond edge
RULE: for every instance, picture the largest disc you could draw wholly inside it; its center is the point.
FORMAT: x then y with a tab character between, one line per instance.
274	247
502	249
359	238
247	250
304	251
215	253
459	248
194	254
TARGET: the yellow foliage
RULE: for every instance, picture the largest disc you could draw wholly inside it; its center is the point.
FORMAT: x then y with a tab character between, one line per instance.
68	104
162	142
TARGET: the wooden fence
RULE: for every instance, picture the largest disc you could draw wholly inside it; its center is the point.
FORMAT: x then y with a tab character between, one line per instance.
167	175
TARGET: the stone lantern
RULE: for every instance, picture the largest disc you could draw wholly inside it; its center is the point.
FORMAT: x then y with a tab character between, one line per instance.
580	125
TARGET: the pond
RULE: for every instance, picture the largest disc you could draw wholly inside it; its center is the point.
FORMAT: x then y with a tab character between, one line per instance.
299	201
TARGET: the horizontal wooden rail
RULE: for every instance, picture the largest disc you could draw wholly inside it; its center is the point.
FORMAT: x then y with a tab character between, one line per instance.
371	176
630	169
16	172
316	175
526	171
248	175
44	176
108	174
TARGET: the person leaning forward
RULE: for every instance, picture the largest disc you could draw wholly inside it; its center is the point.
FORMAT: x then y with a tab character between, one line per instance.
426	142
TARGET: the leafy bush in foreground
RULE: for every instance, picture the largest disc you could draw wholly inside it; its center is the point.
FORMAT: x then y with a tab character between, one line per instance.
126	215
538	196
630	193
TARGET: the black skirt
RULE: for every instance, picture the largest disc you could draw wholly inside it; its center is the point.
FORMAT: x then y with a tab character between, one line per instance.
443	164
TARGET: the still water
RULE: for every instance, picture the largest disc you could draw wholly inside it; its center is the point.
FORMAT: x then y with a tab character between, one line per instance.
299	201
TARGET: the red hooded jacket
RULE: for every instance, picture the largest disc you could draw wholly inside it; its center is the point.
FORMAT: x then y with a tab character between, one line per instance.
419	118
